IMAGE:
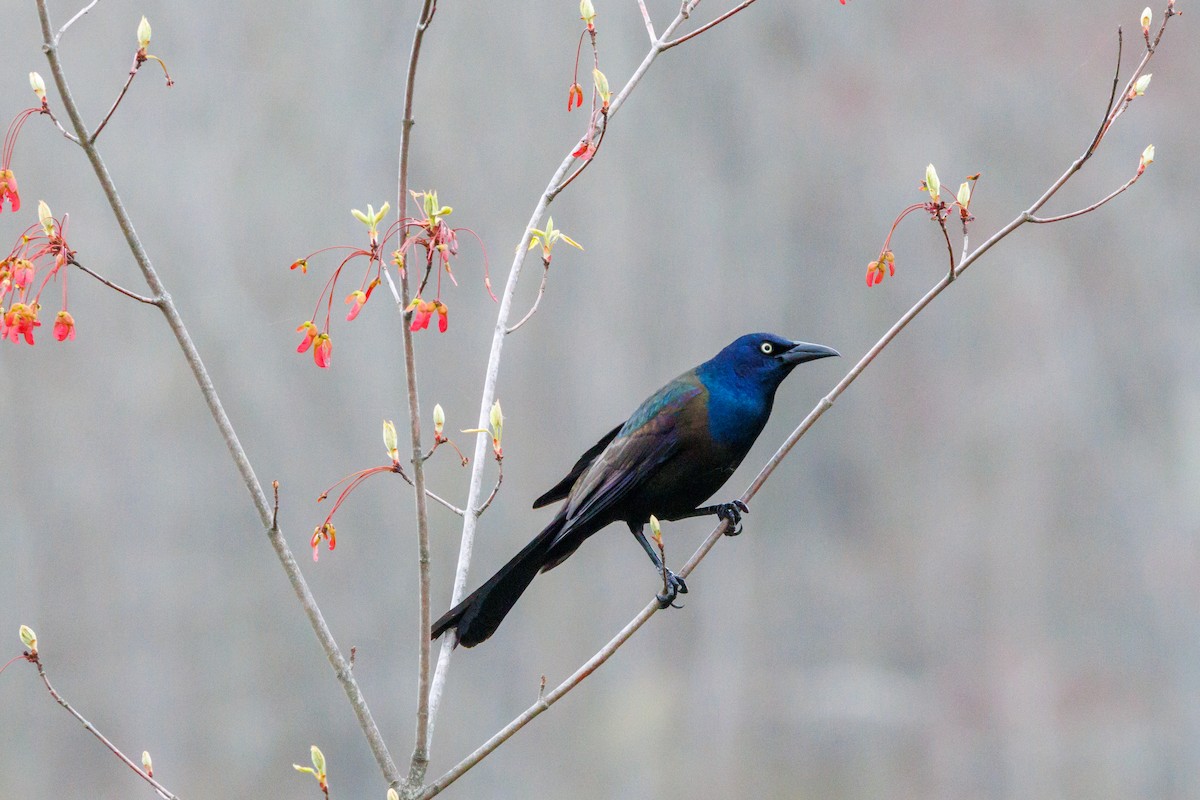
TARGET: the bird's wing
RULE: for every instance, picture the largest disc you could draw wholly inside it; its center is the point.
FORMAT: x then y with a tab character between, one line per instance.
640	448
563	487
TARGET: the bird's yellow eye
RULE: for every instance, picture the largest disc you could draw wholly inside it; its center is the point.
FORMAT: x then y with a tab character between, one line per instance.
767	348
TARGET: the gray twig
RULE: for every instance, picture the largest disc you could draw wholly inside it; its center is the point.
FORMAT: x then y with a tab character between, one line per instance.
90	728
420	756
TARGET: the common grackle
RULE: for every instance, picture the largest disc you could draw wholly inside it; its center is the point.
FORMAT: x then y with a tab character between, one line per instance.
676	450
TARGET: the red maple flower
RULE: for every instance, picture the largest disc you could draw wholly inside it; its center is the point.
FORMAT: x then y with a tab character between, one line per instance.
876	269
8	189
355	300
18	322
64	326
310	333
422	312
322	350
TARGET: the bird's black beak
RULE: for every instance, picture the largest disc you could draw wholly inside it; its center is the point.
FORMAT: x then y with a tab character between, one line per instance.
803	351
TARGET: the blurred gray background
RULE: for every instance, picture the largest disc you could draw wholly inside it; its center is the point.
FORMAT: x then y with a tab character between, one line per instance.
977	577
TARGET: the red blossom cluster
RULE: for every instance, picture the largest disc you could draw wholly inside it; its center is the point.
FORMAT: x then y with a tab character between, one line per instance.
438	243
37	257
939	211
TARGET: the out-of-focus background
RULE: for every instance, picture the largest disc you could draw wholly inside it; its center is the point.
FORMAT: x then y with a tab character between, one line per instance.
977	577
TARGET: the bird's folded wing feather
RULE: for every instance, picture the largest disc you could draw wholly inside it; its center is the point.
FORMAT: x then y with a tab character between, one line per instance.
647	441
563	487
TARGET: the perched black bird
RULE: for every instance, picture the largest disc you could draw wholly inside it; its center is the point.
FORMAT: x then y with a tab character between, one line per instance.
672	454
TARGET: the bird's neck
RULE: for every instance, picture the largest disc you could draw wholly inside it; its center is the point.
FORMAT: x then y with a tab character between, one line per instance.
738	407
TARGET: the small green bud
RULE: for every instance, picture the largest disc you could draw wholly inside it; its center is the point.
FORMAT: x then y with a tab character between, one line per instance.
318	760
439	419
964	194
147	764
29	639
45	217
601	82
143	33
392	794
389	440
38	85
656	530
932	184
496	417
1147	18
1142	84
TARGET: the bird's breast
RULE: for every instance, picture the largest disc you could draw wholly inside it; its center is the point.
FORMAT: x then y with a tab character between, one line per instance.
736	416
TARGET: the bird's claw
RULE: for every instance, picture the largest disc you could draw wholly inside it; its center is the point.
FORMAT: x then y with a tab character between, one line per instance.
674	585
733	512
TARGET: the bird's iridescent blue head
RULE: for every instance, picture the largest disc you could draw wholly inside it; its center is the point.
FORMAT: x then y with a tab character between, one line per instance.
741	381
767	358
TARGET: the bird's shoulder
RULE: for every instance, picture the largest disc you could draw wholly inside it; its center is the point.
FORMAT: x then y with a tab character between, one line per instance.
665	408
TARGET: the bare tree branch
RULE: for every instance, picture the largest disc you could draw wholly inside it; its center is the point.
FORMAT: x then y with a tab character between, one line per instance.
536	302
153	301
648	21
216	409
112	110
420	756
72	20
90	728
703	28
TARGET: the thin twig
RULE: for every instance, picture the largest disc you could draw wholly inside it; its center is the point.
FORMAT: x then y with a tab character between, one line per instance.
46	110
90	728
112	110
488	395
763	475
1082	211
435	498
949	247
537	301
648	21
1112	98
71	21
217	410
419	762
703	28
140	298
495	489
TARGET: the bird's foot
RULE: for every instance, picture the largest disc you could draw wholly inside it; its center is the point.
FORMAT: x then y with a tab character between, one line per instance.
733	512
673	585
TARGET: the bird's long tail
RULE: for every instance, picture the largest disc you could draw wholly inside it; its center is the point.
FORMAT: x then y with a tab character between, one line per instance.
479	614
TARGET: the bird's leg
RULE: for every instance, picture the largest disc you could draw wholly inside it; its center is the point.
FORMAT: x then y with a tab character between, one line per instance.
672	583
724	511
